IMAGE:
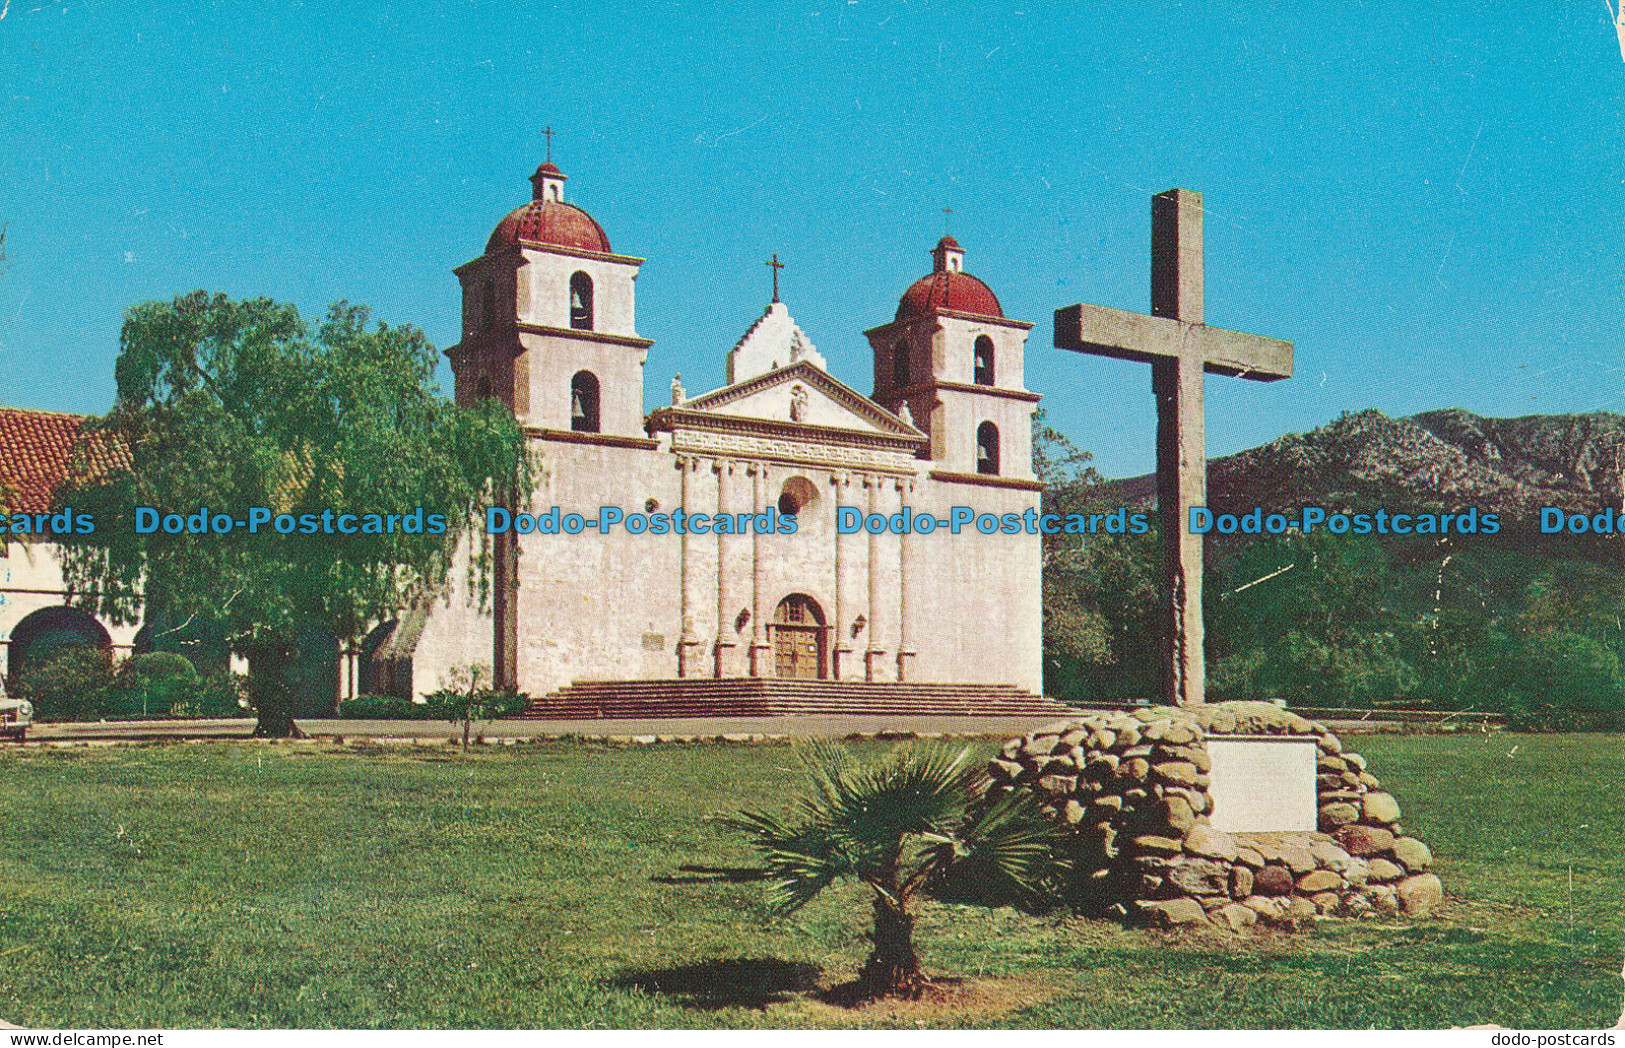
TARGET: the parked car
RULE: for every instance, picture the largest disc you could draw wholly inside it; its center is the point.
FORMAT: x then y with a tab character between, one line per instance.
15	717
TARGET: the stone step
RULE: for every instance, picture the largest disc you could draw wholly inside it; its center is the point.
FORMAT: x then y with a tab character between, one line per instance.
839	692
724	684
712	711
766	697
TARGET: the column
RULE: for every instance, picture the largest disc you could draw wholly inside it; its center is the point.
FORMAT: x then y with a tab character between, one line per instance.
729	594
761	655
841	636
906	568
874	668
504	606
688	643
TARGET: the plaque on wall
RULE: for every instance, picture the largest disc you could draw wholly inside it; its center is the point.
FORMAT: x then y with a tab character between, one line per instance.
1263	783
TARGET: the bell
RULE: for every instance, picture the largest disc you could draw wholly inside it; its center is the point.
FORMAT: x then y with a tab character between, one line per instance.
578	411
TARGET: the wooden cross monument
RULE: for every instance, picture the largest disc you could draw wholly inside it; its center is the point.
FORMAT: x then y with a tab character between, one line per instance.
1180	348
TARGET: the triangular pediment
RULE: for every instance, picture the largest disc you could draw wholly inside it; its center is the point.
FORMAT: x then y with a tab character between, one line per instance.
801	393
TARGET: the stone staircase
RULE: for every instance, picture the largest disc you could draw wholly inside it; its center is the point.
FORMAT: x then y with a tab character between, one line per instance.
775	697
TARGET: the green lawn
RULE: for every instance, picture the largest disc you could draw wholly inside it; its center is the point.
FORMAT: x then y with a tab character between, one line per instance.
235	884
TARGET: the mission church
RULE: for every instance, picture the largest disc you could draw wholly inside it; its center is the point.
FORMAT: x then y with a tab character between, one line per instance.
549	329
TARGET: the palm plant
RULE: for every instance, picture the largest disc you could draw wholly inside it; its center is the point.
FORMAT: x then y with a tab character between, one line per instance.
900	825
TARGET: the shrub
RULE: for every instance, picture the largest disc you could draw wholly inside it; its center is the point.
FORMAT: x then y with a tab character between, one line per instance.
217	695
505	703
71	684
78	683
384	707
464	699
484	704
899	825
152	685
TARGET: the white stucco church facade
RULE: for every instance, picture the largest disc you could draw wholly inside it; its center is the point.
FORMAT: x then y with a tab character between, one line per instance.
549	329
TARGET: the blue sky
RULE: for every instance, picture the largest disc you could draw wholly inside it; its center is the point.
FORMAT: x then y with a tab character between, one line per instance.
1425	197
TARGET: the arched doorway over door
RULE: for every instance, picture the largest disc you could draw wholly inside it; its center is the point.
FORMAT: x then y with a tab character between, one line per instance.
798	634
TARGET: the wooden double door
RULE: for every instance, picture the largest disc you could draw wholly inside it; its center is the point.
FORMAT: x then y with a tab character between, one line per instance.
798	634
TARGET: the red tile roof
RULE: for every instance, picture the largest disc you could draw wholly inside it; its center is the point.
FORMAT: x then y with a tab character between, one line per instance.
949	290
549	222
39	450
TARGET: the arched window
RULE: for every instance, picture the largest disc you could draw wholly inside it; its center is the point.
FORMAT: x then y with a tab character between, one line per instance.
581	301
987	449
899	365
797	494
584	402
984	361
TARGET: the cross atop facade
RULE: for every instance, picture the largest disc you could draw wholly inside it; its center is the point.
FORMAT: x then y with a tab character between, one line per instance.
549	132
948	214
777	265
1180	348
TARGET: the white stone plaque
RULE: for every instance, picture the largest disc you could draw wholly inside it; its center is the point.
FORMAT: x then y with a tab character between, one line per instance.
1263	783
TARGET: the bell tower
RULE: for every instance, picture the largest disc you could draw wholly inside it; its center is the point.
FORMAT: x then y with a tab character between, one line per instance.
548	320
951	355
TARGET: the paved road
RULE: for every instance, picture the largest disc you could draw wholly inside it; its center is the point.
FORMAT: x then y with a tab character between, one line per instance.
694	727
676	729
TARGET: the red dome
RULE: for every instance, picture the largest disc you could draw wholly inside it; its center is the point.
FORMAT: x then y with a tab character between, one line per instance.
549	222
949	290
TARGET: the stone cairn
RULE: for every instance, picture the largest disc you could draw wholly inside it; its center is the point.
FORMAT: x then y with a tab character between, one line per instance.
1133	788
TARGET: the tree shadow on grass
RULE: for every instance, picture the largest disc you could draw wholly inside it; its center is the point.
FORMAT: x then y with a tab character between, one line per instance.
745	982
712	875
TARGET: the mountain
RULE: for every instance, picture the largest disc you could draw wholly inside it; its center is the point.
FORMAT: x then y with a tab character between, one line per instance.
1438	460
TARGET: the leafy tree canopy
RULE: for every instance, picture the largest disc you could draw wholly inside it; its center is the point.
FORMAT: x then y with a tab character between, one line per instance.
1484	622
1075	629
228	405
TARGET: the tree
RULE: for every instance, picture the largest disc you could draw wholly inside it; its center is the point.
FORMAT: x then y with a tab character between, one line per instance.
464	698
1562	680
1075	630
459	701
1562	665
227	406
1308	618
899	825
